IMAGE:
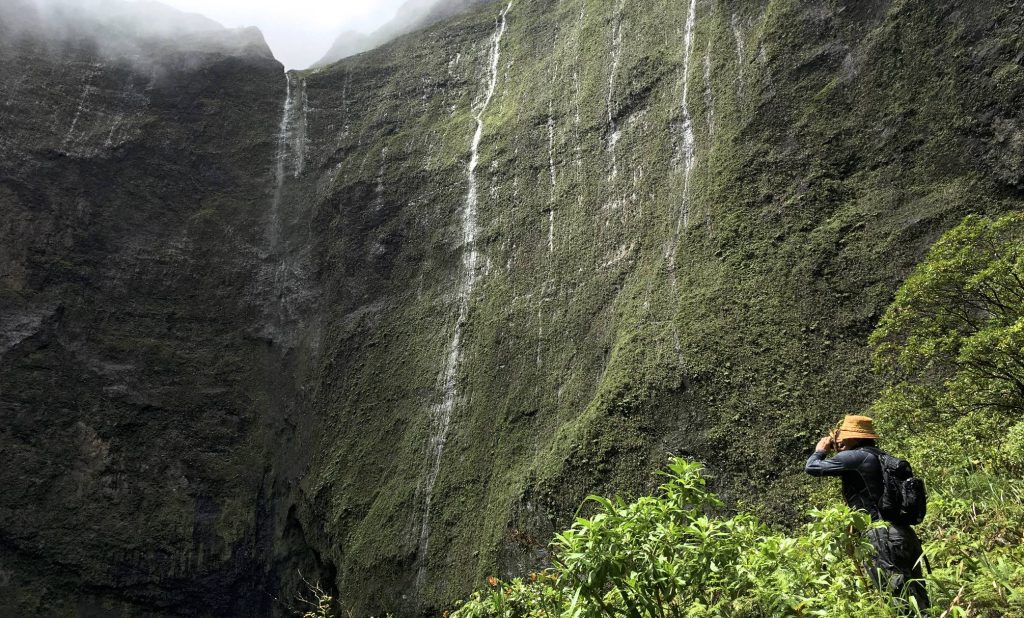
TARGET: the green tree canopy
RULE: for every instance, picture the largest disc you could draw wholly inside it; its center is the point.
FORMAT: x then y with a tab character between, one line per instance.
951	345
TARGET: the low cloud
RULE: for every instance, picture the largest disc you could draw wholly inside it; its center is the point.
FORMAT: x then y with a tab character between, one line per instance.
123	30
299	32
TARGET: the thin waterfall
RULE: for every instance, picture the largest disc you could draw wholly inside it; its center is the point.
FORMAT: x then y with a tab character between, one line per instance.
280	159
299	137
613	123
87	89
741	52
551	171
276	273
689	159
441	414
709	96
689	142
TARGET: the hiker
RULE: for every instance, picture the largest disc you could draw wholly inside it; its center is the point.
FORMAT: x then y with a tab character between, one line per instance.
859	463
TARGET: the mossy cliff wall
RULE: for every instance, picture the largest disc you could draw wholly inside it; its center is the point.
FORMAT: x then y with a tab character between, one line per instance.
638	291
689	215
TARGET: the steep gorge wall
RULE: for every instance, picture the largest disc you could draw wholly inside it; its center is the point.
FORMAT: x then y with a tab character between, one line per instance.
146	374
688	217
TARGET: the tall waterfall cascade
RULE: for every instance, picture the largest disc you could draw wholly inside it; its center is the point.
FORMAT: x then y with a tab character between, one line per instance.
441	414
280	162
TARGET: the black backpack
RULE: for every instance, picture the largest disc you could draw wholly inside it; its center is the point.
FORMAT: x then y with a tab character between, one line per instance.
903	500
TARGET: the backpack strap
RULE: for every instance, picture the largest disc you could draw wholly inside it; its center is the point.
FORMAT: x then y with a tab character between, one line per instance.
876	499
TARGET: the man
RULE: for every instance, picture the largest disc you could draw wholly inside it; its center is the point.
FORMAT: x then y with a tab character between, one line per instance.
897	563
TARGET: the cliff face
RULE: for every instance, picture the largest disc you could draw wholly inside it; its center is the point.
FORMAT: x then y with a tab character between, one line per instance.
388	322
144	375
689	216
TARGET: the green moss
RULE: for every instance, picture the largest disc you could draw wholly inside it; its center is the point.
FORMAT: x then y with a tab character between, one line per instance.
826	171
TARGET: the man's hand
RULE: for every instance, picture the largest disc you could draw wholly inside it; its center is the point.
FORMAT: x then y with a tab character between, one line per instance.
825	444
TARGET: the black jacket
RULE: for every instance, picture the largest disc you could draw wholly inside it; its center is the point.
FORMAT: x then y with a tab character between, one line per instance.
861	473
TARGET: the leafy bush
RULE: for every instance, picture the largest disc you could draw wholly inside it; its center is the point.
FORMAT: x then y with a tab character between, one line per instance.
666	556
951	349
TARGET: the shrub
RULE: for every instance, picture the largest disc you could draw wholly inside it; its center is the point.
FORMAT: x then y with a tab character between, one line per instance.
665	555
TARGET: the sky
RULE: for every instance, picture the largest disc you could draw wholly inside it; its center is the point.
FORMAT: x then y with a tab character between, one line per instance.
298	31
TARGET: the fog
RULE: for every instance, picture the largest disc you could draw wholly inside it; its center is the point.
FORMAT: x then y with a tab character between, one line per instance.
299	32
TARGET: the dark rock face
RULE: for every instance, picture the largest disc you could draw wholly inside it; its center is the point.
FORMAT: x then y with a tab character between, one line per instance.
147	398
252	327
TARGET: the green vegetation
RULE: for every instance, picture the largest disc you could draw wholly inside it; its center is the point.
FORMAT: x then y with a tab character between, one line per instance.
951	351
665	556
951	348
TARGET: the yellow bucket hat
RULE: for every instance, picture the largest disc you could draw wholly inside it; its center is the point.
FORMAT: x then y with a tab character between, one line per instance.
856	427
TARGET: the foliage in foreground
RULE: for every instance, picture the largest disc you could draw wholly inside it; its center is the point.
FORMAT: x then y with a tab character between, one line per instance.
951	348
665	556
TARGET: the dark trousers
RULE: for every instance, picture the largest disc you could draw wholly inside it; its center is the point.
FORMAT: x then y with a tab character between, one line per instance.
897	563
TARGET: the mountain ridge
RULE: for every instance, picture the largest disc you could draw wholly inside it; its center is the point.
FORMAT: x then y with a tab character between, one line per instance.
411	16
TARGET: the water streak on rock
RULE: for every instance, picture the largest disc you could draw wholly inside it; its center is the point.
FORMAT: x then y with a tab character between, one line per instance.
613	122
689	143
86	91
741	51
551	169
280	160
441	414
709	97
299	138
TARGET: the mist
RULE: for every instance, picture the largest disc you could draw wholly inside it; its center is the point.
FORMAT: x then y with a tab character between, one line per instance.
143	34
298	32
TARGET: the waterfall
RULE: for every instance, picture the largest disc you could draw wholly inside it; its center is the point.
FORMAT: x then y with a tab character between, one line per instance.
280	159
613	123
299	139
551	170
689	142
114	126
378	190
741	51
578	147
709	97
283	285
87	89
78	113
441	414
